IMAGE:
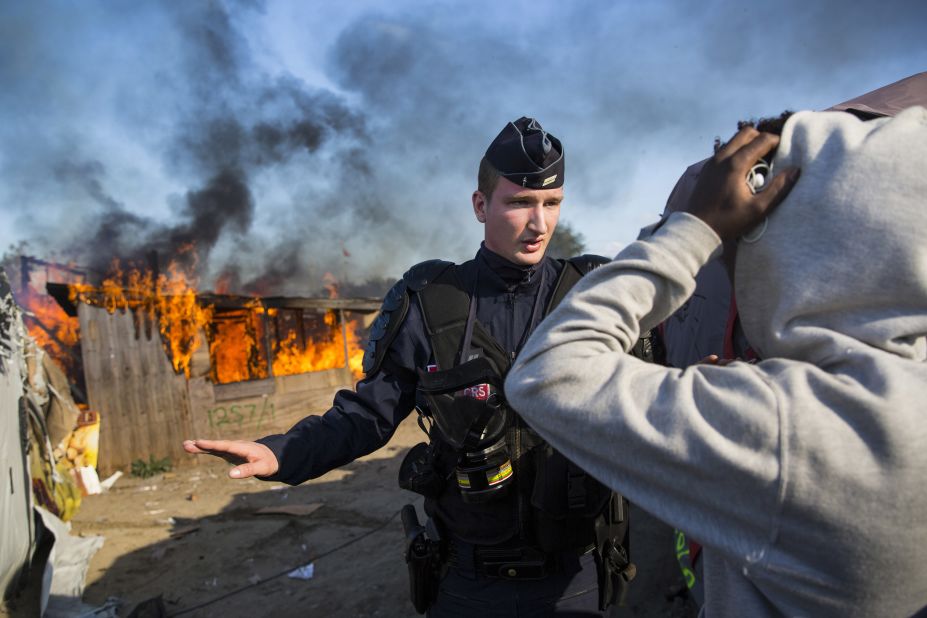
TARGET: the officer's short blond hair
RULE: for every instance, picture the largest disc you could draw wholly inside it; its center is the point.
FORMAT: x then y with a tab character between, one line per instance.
487	179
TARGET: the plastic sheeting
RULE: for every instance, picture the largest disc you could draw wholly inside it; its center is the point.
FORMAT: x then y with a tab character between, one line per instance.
889	100
66	570
17	534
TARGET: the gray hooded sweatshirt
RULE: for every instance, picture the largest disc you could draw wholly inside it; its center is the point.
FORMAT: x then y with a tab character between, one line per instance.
804	476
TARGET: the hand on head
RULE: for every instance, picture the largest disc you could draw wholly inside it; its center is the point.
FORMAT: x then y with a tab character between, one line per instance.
250	458
721	197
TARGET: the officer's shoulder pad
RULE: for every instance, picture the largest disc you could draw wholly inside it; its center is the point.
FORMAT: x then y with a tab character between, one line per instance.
420	275
385	326
588	262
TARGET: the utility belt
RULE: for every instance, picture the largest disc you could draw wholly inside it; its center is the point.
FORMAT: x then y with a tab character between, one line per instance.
512	562
429	555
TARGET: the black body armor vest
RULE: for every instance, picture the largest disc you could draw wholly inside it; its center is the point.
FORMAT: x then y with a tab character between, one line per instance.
530	493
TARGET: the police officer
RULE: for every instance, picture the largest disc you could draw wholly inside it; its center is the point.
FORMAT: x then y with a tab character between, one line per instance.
514	528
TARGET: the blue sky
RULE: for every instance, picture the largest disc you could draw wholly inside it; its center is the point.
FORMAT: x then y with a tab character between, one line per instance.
278	135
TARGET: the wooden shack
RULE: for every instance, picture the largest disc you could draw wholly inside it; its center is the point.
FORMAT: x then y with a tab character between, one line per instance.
147	408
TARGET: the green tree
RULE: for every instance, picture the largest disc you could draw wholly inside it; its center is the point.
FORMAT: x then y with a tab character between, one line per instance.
566	242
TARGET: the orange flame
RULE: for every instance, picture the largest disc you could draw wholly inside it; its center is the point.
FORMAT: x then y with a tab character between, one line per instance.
325	352
45	320
169	298
54	330
239	339
330	284
235	345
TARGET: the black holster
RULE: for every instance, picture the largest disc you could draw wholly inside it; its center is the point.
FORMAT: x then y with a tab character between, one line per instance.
423	557
615	573
612	561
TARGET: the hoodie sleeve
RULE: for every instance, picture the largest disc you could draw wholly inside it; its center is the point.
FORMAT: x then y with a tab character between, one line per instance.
698	448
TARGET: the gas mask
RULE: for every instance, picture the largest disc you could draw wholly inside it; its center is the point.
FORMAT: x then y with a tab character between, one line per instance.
471	415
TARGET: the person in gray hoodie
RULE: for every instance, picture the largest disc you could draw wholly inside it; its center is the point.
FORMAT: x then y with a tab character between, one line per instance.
802	475
707	323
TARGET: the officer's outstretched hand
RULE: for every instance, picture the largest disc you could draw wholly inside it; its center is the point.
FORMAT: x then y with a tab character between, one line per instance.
251	458
721	197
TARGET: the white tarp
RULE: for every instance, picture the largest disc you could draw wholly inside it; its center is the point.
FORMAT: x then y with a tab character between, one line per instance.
67	564
17	533
66	570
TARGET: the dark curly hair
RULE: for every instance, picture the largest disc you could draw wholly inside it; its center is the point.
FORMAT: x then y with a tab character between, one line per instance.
772	124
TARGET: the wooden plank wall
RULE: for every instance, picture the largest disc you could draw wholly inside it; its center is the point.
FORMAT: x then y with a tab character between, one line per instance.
146	409
249	410
144	406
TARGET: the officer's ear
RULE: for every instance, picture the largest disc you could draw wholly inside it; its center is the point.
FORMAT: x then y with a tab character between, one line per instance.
479	206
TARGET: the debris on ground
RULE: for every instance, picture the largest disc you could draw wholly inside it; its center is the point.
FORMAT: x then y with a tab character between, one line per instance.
304	572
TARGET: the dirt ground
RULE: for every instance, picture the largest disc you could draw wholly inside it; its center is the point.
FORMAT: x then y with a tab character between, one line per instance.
195	538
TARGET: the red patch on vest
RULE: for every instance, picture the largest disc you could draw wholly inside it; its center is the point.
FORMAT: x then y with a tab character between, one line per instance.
477	391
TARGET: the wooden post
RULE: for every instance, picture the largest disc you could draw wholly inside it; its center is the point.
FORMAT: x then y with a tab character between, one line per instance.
268	348
344	337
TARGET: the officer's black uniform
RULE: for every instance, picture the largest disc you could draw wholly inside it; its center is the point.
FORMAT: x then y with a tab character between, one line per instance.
510	300
364	420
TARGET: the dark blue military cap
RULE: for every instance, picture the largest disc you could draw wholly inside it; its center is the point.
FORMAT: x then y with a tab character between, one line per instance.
526	154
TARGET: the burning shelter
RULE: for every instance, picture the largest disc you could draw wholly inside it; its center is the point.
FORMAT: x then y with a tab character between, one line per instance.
163	363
